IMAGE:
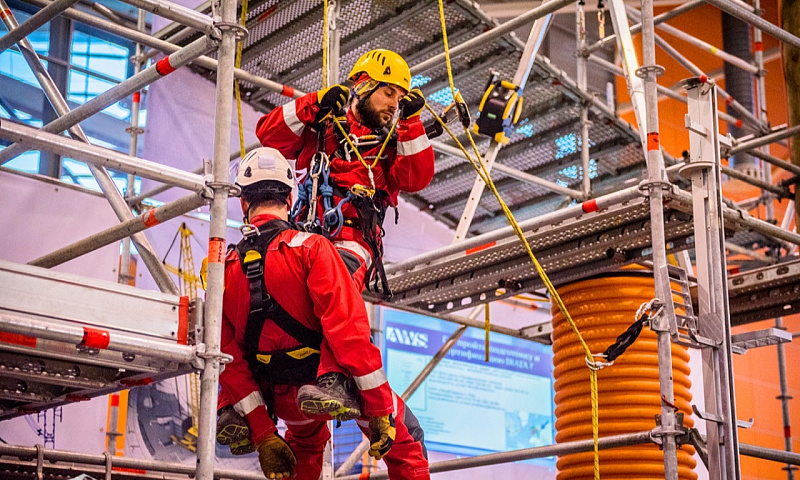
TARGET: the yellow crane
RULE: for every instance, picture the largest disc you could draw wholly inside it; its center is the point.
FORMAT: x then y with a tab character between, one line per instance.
189	283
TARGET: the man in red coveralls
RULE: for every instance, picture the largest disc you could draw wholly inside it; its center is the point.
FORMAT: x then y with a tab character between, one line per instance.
286	291
380	88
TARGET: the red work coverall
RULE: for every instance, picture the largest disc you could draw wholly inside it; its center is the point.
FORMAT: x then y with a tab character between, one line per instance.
409	167
306	276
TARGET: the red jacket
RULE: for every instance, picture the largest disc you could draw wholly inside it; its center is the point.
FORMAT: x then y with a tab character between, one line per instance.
408	168
306	276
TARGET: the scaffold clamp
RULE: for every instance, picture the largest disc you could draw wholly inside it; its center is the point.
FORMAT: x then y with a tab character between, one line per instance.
208	193
679	432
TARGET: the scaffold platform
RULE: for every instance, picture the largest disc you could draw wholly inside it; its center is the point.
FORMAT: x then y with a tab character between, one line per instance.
65	338
765	293
577	242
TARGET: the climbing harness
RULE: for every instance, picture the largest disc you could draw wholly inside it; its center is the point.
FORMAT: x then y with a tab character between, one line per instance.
483	173
283	367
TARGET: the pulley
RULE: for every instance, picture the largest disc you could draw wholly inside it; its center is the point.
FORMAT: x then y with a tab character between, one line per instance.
499	110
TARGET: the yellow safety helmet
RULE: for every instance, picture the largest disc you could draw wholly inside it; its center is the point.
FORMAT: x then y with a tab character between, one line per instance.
383	66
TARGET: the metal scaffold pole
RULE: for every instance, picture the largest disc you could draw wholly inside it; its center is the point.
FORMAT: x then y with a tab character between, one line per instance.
109	97
41	17
664	322
209	380
583	74
135	131
712	293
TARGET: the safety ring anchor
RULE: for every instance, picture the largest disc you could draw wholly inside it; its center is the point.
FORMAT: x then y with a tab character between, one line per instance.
597	365
241	32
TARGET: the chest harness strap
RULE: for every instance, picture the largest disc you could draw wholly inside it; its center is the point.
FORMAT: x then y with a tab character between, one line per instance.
285	367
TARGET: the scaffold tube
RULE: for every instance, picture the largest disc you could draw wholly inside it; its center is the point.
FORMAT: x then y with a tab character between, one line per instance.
146	220
508	27
573	211
114	94
37	139
117	341
605	443
122	462
628	391
167	48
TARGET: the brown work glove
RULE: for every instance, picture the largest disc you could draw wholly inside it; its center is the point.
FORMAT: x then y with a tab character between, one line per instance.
381	436
276	457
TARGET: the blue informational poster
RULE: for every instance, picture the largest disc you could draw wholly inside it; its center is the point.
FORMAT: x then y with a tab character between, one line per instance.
468	406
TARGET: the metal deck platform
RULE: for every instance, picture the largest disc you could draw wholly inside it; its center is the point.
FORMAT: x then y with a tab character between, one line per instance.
765	293
66	338
284	45
573	243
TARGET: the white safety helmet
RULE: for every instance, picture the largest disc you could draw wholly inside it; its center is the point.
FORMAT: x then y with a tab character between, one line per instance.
264	164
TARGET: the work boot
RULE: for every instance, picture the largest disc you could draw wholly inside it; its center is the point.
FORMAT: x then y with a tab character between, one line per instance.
333	397
233	431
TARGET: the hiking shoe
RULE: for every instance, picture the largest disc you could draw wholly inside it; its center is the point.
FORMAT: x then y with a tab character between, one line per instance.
333	397
233	431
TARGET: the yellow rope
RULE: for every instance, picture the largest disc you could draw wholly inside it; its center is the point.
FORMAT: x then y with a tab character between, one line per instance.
355	149
239	45
484	175
488	327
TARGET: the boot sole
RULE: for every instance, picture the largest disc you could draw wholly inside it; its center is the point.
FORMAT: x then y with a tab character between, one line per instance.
332	408
231	434
237	438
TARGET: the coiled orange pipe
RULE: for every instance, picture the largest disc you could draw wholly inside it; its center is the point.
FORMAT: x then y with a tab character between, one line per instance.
628	391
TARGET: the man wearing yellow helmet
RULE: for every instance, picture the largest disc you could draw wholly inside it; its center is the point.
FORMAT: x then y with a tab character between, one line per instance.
379	89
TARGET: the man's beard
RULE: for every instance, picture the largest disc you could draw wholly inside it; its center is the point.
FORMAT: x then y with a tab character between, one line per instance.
369	116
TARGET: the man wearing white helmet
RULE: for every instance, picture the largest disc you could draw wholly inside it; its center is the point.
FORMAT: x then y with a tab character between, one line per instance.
288	295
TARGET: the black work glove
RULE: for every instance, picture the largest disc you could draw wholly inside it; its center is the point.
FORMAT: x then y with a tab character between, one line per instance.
412	104
331	99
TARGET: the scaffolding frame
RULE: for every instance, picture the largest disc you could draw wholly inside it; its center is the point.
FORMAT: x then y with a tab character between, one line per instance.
219	31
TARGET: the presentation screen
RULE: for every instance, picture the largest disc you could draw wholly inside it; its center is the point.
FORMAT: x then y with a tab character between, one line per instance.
468	406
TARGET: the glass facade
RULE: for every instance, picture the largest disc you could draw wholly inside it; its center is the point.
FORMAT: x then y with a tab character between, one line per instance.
96	63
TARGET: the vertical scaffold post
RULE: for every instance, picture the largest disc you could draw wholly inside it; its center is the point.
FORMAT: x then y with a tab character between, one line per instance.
712	282
134	130
761	100
209	379
582	74
630	65
664	323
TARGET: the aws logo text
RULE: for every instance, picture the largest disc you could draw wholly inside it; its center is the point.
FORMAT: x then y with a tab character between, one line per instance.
406	337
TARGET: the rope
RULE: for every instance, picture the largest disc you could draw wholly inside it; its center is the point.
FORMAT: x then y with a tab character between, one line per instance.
238	64
483	173
358	154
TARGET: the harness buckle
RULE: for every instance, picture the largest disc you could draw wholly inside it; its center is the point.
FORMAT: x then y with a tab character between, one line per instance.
254	269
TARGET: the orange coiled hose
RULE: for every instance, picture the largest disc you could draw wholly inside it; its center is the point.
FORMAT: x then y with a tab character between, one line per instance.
628	391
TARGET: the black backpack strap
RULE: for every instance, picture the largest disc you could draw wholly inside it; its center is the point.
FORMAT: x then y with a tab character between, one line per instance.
263	306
